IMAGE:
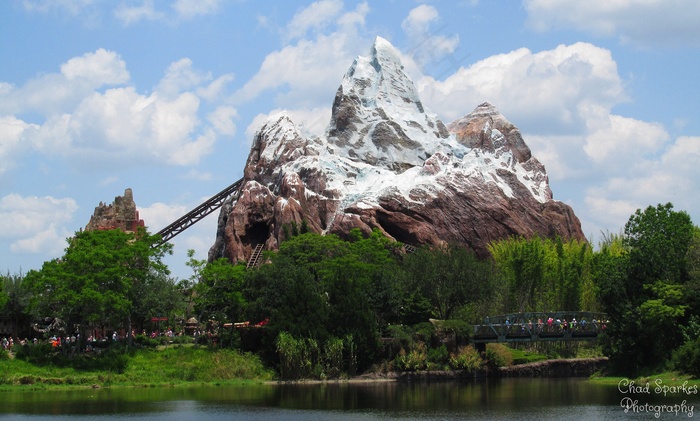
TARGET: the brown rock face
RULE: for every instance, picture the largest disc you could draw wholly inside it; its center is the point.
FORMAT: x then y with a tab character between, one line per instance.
386	163
121	214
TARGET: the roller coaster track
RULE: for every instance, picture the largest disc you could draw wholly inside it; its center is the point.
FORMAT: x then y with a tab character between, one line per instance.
196	214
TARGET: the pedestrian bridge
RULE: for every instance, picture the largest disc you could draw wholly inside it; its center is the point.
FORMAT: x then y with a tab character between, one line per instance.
540	326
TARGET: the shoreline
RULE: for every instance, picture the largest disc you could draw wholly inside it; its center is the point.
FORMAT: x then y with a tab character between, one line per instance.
554	368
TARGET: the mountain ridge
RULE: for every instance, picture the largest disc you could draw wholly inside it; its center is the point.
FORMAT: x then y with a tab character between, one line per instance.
386	162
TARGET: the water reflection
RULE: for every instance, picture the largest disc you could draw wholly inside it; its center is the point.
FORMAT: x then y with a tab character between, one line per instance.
537	399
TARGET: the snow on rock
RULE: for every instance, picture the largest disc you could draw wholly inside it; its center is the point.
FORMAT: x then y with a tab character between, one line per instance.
387	163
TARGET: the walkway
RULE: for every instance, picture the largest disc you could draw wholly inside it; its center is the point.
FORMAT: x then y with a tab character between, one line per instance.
540	326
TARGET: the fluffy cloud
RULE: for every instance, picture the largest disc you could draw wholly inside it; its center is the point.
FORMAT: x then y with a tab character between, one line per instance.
116	126
159	215
428	47
222	118
11	130
296	70
34	224
562	100
188	9
549	92
639	22
99	68
128	14
625	141
55	92
315	16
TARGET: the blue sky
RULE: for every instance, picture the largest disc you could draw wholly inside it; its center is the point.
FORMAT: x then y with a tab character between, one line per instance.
164	97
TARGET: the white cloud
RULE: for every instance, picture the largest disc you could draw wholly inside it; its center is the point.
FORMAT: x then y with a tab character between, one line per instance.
132	14
639	22
222	118
55	92
684	156
11	131
427	46
118	126
306	72
315	16
549	92
188	9
179	77
35	224
215	89
51	241
160	215
625	141
99	68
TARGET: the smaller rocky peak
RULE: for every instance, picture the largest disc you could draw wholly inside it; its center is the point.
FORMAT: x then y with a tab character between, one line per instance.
277	142
121	214
487	129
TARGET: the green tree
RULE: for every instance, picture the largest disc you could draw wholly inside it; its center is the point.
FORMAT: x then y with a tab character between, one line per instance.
644	289
693	270
321	287
14	303
449	278
157	296
98	278
543	275
219	292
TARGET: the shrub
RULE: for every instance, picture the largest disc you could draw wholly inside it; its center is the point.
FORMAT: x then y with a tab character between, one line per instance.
39	354
467	358
438	355
686	359
414	360
461	329
424	332
145	341
498	355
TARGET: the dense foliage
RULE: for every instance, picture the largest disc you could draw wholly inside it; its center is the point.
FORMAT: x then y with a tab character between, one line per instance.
333	306
108	277
645	287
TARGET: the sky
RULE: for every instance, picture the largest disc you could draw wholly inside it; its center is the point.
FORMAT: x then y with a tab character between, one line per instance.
164	97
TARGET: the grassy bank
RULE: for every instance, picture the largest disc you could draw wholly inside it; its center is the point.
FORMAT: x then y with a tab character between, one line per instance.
668	378
171	366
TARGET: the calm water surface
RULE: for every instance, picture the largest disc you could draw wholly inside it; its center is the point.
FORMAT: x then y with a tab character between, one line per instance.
522	399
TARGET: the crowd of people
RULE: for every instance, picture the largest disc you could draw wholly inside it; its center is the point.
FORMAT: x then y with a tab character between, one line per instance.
558	325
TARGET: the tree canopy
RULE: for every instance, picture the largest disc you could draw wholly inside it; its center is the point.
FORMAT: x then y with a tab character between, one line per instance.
100	278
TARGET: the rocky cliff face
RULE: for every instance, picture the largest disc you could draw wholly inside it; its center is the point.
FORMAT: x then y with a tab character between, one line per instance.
121	214
385	162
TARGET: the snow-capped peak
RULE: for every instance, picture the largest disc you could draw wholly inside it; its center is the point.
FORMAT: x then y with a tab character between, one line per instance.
377	114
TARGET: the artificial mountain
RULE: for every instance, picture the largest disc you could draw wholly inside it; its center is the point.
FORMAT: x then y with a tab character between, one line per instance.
386	162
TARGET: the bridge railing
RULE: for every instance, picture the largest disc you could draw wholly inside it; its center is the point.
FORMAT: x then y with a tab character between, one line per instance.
540	326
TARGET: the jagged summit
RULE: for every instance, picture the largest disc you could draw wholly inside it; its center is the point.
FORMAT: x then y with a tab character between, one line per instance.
122	214
387	163
377	116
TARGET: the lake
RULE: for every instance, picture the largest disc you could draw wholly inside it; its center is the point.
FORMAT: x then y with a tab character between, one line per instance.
488	398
